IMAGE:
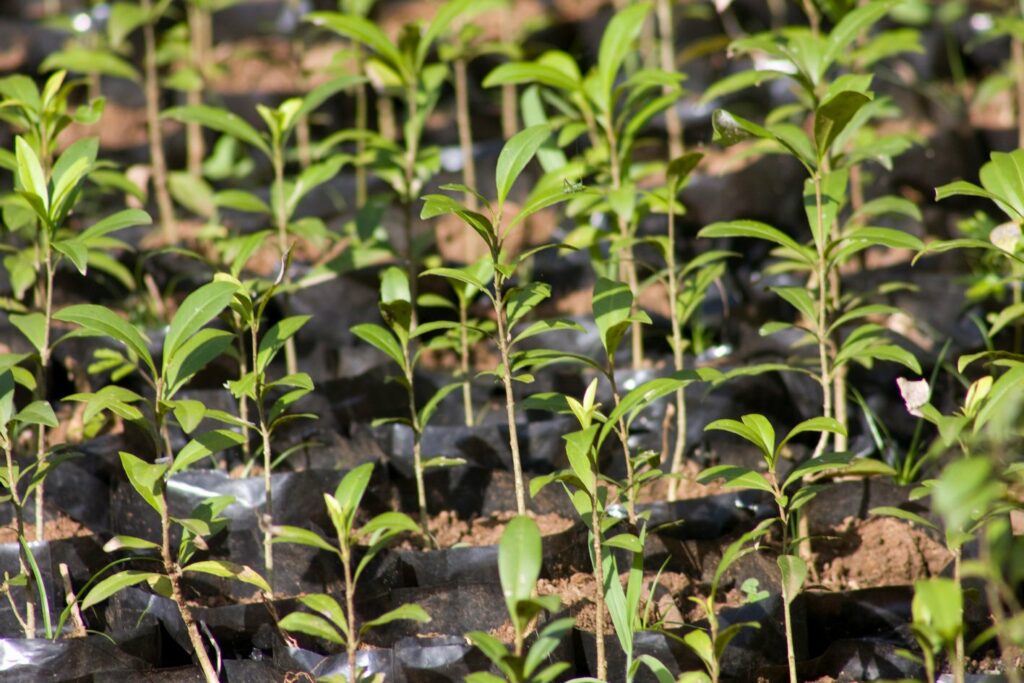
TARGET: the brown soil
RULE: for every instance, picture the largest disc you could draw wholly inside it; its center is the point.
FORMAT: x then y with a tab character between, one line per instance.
448	530
579	594
686	487
267	65
55	529
881	551
119	128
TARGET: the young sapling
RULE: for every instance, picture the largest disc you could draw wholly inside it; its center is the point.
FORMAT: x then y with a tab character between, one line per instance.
328	619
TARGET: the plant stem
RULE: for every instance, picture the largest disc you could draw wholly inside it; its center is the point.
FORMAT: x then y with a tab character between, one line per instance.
823	354
627	264
386	118
361	124
412	148
243	402
504	341
666	45
171	568
42	380
352	642
281	218
958	648
679	449
417	447
790	655
28	624
156	142
624	440
595	525
467	386
465	135
195	148
509	113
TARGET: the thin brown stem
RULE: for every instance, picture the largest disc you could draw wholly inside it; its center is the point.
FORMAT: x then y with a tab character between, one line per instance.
627	263
352	642
281	218
504	342
362	120
467	386
194	144
156	143
412	148
509	112
666	51
624	441
171	568
595	525
42	380
679	449
28	624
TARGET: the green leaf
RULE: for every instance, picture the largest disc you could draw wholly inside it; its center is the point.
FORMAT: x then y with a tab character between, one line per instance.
189	413
519	561
229	570
365	32
700	643
86	61
76	252
30	172
404	612
905	515
752	229
794	573
938	605
37	413
276	337
382	340
294	534
680	168
850	27
145	478
194	355
352	487
430	407
736	477
221	121
612	302
616	43
198	308
112	584
1003	176
128	218
832	117
33	326
514	73
311	625
100	321
205	445
129	543
514	157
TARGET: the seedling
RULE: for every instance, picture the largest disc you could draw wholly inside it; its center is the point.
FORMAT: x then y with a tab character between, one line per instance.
17	483
511	304
467	332
188	347
329	620
396	342
47	197
273	144
757	430
1001	183
519	563
611	116
402	67
249	308
589	491
710	645
838	109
